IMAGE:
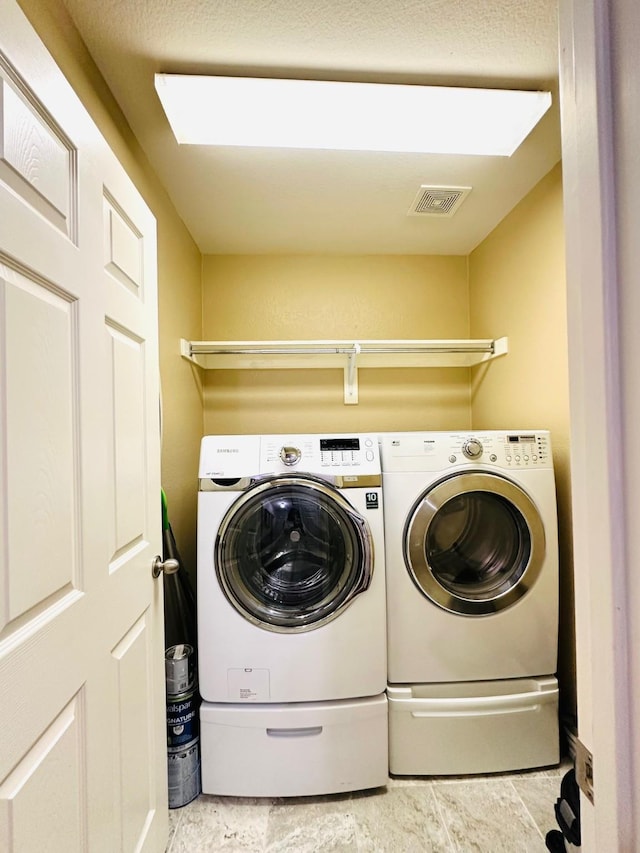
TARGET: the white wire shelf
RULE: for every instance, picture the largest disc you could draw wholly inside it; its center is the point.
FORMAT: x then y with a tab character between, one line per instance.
345	354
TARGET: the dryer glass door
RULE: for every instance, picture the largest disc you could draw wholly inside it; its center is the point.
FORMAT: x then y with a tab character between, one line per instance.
292	553
474	543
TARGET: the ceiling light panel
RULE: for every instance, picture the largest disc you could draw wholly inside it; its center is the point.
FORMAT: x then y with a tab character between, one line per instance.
271	113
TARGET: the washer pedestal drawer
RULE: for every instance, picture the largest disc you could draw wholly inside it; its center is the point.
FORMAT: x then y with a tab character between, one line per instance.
473	727
292	750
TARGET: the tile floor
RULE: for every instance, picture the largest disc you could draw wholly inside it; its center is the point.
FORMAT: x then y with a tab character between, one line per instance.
478	814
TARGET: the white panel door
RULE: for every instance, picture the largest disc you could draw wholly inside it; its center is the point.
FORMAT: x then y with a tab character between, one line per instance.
82	752
599	91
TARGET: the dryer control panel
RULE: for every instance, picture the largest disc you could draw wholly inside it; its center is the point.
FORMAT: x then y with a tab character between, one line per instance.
509	450
320	454
435	451
526	449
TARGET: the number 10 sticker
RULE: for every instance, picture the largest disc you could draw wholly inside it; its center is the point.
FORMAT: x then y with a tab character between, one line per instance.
372	500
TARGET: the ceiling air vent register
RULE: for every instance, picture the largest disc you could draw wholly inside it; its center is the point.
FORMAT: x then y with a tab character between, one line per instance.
438	201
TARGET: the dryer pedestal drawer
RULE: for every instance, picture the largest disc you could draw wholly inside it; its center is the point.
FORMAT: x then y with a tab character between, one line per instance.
473	727
292	750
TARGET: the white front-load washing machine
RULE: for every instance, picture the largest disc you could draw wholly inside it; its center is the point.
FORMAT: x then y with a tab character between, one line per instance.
472	600
291	615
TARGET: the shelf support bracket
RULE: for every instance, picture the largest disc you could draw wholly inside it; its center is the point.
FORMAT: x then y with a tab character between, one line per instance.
351	377
185	351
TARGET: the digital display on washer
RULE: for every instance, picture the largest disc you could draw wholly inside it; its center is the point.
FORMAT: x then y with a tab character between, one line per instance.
516	439
339	444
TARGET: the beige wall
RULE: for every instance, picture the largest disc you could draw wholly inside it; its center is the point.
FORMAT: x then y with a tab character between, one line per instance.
179	270
334	297
517	288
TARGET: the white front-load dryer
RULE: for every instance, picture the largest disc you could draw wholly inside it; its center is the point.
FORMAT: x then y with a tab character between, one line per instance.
291	614
472	600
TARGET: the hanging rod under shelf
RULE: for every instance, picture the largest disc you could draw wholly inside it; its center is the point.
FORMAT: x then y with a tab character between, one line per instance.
346	354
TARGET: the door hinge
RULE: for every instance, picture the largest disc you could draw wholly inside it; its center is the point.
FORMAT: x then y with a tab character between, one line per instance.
584	770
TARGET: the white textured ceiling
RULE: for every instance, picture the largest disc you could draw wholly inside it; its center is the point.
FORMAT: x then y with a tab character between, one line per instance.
266	201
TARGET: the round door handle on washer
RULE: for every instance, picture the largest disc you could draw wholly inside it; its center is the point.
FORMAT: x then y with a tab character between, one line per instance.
290	455
169	567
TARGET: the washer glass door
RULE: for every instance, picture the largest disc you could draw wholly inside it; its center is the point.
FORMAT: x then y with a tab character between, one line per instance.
291	553
474	543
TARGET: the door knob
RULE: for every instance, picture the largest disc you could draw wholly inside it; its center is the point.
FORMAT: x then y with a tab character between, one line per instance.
169	567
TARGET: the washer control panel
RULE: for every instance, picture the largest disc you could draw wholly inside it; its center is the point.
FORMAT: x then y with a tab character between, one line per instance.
319	453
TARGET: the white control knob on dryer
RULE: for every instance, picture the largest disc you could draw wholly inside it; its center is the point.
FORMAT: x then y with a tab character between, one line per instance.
290	455
472	448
